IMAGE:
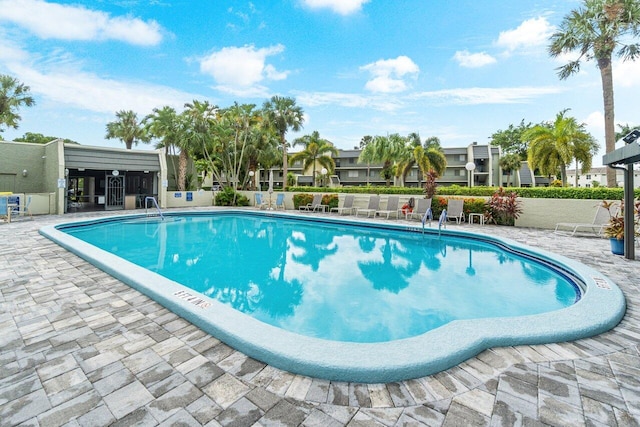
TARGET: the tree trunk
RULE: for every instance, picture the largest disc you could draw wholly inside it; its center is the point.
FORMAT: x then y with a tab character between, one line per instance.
576	173
182	170
285	163
606	74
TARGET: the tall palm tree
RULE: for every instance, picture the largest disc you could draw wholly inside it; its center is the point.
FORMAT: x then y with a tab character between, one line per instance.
509	163
385	149
552	146
127	129
13	95
315	151
596	31
428	156
366	155
282	114
197	119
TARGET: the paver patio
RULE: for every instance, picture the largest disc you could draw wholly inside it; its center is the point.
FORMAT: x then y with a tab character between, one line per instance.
78	347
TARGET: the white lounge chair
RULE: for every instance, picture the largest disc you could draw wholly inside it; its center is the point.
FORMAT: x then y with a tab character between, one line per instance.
455	210
347	206
422	206
392	207
315	205
600	221
372	207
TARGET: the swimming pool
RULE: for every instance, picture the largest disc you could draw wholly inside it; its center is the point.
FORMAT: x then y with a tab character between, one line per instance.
419	335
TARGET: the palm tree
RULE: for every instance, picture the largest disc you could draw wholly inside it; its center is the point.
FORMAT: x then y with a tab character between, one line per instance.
623	131
552	146
385	149
366	155
595	32
428	156
509	163
197	120
315	151
283	114
13	95
127	129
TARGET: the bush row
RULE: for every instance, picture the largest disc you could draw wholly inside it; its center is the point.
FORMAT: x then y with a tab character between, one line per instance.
598	193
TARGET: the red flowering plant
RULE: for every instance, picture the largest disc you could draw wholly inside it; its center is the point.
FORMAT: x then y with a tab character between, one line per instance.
503	208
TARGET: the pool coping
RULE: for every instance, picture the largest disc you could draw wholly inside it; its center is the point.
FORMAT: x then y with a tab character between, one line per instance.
601	307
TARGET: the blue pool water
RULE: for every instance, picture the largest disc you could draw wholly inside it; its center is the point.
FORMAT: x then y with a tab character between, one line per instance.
334	281
348	300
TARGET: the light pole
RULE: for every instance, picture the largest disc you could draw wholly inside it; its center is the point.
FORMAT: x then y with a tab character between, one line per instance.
253	182
470	167
324	172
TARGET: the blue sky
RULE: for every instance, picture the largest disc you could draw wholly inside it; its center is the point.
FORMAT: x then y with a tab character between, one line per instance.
457	70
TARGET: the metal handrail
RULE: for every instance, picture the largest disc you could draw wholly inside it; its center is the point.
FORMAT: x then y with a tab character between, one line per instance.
155	203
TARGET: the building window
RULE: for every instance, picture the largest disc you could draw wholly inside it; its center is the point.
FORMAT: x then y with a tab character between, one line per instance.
457	172
352	160
463	158
588	176
352	174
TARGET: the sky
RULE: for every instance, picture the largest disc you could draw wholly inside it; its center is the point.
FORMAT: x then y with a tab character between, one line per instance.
459	70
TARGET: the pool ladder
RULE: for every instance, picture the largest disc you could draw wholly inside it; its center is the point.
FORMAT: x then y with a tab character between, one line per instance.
155	203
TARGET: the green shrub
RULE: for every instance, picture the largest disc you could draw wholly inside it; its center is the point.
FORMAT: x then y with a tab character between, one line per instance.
227	195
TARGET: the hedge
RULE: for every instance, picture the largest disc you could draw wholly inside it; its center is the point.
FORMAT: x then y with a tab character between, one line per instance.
597	193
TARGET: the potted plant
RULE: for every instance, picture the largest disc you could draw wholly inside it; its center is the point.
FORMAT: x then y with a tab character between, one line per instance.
614	230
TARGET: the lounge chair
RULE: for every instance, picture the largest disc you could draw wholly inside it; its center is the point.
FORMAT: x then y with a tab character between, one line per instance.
372	207
315	205
347	206
600	221
455	210
392	207
260	203
422	206
279	202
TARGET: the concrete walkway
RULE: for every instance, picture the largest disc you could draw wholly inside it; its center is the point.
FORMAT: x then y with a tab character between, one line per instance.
80	348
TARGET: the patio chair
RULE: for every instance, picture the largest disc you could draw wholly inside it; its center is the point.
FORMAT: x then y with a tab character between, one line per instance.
4	209
455	210
347	205
260	203
422	206
392	207
372	207
24	209
600	221
315	205
280	201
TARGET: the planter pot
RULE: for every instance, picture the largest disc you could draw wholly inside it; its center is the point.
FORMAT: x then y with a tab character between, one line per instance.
617	246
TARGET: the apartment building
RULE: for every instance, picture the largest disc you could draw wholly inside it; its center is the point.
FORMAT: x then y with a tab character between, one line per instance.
350	172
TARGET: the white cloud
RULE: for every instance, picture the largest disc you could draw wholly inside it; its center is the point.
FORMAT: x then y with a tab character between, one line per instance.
626	74
380	103
479	96
239	70
387	74
473	60
56	21
87	91
342	7
531	33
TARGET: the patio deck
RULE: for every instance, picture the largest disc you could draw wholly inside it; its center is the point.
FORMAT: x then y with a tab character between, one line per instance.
78	347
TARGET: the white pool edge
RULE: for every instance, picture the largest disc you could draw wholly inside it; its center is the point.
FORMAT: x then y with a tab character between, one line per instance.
601	307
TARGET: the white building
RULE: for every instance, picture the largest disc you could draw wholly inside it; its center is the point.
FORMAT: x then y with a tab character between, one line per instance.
599	176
